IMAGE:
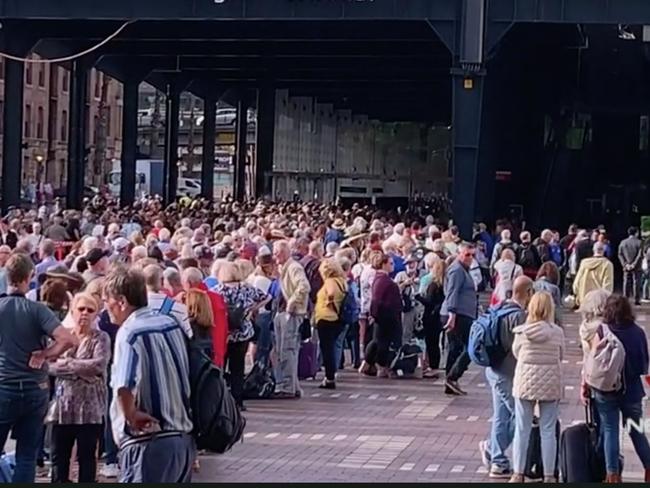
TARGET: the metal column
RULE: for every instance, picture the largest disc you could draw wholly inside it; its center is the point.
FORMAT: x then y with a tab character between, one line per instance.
265	140
170	168
77	134
242	149
129	142
13	134
467	109
209	134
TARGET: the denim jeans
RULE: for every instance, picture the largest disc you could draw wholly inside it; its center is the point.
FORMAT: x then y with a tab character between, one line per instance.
609	413
548	412
340	345
22	411
610	408
264	338
353	342
503	418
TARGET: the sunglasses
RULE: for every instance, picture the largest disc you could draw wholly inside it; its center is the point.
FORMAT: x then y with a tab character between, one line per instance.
86	309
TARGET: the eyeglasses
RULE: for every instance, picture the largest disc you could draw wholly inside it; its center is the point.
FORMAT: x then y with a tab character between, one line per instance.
86	309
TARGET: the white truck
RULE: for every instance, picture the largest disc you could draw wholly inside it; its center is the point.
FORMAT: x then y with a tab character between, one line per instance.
149	179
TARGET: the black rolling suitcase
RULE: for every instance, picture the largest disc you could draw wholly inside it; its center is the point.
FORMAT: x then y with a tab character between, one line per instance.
580	459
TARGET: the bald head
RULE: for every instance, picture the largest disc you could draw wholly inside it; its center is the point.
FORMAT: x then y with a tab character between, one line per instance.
522	290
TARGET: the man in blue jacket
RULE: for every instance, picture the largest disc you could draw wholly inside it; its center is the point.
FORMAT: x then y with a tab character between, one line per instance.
458	312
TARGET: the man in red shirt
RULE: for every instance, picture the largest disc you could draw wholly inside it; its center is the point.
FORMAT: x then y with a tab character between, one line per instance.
193	278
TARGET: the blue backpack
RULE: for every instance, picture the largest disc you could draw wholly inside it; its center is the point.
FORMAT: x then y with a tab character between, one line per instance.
349	313
484	346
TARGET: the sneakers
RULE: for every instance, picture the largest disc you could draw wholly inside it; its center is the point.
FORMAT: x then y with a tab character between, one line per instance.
383	372
452	388
497	472
516	478
109	471
367	369
485	453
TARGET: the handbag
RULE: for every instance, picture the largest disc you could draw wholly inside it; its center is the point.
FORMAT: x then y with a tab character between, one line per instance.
305	330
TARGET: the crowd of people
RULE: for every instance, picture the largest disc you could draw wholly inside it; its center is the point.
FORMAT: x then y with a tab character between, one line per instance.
97	308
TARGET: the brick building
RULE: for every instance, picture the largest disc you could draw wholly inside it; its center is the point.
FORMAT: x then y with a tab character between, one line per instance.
45	123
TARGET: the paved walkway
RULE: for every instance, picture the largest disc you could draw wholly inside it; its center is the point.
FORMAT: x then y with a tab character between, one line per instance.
381	430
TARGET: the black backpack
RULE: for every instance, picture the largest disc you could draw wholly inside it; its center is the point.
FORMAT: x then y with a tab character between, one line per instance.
218	423
259	384
236	316
406	360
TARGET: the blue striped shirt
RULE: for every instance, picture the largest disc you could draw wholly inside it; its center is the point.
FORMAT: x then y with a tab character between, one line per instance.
151	360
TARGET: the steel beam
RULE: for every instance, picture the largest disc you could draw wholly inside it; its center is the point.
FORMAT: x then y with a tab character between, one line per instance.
466	121
265	139
129	141
230	9
77	133
170	166
241	149
209	132
12	143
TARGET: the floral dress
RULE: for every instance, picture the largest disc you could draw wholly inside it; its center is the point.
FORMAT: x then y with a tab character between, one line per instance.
245	296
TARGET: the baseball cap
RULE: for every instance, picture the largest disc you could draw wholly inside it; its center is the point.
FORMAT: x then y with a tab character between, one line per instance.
96	254
120	243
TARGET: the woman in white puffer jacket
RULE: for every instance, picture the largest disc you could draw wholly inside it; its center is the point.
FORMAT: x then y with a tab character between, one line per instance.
538	347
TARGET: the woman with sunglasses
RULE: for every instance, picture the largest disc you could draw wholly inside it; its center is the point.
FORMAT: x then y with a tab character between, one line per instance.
79	403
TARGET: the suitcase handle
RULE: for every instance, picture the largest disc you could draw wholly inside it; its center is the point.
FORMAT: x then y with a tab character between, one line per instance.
589	411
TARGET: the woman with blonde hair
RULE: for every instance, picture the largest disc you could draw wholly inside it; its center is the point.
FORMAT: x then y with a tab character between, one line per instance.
327	315
538	347
199	312
79	405
431	295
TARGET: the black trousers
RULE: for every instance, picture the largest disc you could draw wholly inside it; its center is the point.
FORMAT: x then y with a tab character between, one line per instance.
432	330
457	339
387	339
63	439
328	333
236	362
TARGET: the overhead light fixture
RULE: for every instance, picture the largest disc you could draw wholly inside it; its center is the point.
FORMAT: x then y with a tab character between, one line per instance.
625	33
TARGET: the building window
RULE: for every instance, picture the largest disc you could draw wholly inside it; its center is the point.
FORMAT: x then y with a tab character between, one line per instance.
41	76
27	132
66	80
98	84
54	81
108	121
52	123
40	116
29	69
64	126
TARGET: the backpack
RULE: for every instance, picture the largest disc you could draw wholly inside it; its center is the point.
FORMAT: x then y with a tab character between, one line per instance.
236	315
406	360
259	384
527	257
407	302
484	346
556	254
218	423
604	364
349	313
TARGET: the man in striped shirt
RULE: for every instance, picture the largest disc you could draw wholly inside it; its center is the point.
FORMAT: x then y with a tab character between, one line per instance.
150	412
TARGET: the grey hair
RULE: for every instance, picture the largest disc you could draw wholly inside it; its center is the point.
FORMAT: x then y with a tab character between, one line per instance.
593	305
172	276
192	276
599	249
